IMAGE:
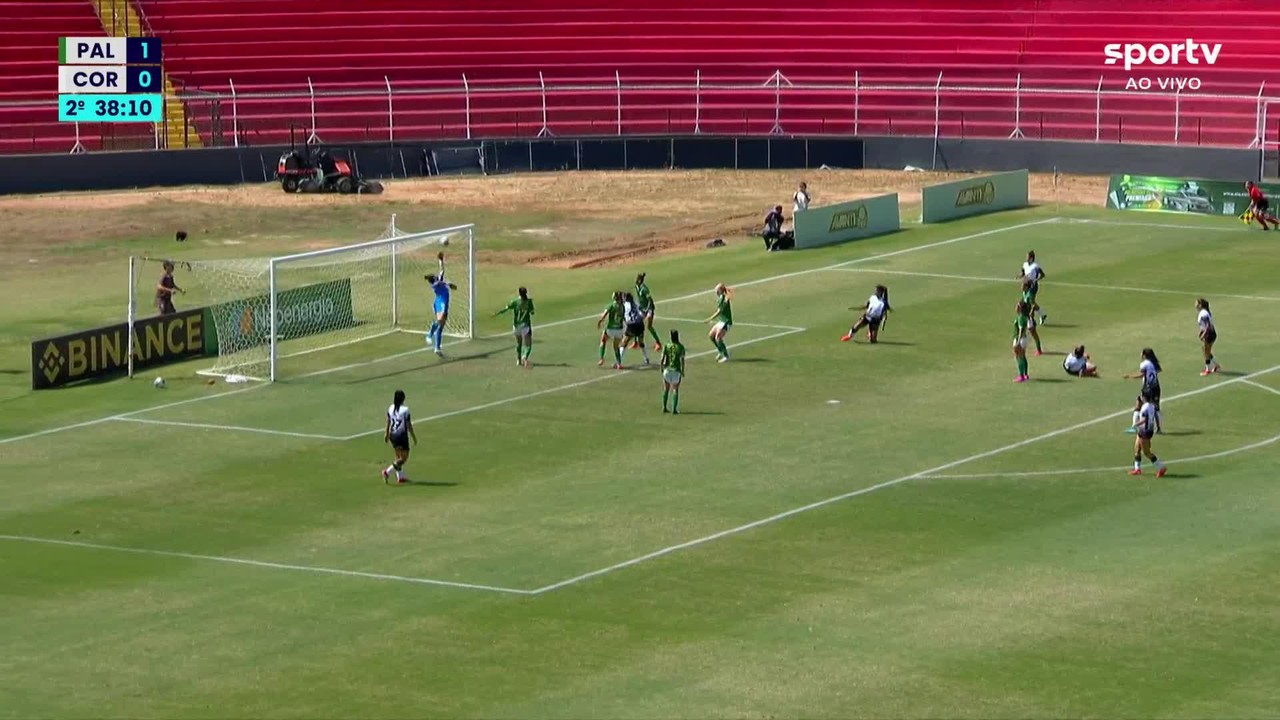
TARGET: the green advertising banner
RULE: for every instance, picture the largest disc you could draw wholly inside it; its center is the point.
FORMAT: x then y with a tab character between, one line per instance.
307	310
846	221
1181	195
974	196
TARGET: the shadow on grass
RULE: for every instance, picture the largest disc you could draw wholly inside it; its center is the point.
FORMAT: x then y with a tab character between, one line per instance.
1067	326
889	342
418	368
1179	476
736	361
1056	353
428	483
7	371
1181	433
699	412
1231	373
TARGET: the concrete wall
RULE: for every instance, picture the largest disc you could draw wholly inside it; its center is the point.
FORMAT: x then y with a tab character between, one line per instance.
1068	157
225	166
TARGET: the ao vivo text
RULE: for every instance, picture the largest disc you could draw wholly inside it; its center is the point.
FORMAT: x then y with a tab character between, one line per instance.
1136	55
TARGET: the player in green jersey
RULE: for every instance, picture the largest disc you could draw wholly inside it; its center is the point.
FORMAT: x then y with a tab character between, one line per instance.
1029	299
1020	322
612	315
672	372
521	309
649	308
724	321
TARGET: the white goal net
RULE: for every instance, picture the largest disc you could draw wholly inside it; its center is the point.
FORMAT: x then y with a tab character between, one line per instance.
265	311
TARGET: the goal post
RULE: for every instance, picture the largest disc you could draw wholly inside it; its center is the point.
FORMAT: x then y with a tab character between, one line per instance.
264	312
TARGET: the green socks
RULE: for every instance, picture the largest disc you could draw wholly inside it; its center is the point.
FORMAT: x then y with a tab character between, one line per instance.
601	351
617	355
654	333
1022	365
724	349
664	398
675	401
519	351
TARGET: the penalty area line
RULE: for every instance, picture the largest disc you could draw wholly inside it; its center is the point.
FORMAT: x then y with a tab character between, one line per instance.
231	428
265	564
873	488
570	386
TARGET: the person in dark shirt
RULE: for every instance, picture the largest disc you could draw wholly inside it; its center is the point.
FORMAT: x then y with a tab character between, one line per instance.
165	290
772	228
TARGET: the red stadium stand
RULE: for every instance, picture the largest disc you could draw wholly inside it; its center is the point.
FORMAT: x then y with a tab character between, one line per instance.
1029	68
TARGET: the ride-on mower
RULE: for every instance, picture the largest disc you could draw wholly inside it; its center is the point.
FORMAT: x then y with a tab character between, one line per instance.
318	170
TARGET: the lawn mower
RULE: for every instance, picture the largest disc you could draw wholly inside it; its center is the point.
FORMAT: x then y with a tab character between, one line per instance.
318	170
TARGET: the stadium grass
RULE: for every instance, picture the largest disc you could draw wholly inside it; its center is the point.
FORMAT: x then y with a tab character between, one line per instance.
1088	594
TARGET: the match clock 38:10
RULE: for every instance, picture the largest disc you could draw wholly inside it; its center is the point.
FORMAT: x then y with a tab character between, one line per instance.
142	107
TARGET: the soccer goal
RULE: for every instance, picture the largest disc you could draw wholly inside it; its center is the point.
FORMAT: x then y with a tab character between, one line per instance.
265	311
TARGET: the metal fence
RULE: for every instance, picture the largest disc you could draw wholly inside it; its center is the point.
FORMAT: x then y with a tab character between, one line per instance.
236	115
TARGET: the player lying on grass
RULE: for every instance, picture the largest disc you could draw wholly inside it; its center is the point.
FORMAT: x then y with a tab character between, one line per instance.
399	430
1021	319
1259	206
672	372
1208	336
441	288
723	317
1078	363
873	316
612	319
633	327
1031	269
1149	372
1029	297
521	309
649	308
1146	425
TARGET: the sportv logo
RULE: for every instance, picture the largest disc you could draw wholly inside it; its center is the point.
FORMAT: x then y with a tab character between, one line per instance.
1137	54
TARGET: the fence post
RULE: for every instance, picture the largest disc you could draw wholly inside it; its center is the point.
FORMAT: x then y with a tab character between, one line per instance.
77	148
937	117
391	113
466	94
697	102
856	99
618	78
235	115
777	102
1260	132
312	90
545	131
1177	114
1097	112
1017	110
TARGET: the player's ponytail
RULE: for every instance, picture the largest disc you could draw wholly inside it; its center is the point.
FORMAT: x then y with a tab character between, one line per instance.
1150	354
398	399
675	336
883	292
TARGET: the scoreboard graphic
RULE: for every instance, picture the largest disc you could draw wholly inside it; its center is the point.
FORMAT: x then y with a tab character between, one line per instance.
110	79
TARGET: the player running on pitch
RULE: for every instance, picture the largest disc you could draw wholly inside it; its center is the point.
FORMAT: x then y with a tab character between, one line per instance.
441	288
1029	298
1260	206
1020	322
1149	372
611	319
1208	336
521	309
672	372
873	315
649	308
724	321
1031	269
1146	426
633	334
399	430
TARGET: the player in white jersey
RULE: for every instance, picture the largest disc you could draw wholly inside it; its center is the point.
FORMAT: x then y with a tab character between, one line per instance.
1079	364
873	315
1148	419
1032	270
1208	336
399	430
1149	372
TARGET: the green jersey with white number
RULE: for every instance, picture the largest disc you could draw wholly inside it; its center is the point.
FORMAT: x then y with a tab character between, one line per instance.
724	311
673	357
522	312
613	318
644	298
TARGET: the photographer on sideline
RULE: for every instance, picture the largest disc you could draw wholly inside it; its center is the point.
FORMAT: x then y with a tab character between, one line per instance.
772	228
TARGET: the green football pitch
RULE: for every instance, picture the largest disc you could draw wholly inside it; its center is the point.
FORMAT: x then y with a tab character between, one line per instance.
827	530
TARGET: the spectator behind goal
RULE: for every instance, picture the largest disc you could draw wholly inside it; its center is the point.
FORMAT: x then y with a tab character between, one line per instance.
800	201
772	228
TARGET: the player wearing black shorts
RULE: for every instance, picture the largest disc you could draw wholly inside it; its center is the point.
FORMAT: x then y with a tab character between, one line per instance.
399	430
1260	206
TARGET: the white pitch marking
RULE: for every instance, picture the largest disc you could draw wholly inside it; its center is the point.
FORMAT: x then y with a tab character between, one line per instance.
880	486
266	564
126	415
1115	468
1166	226
735	324
234	428
798	273
1263	387
1055	283
570	386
